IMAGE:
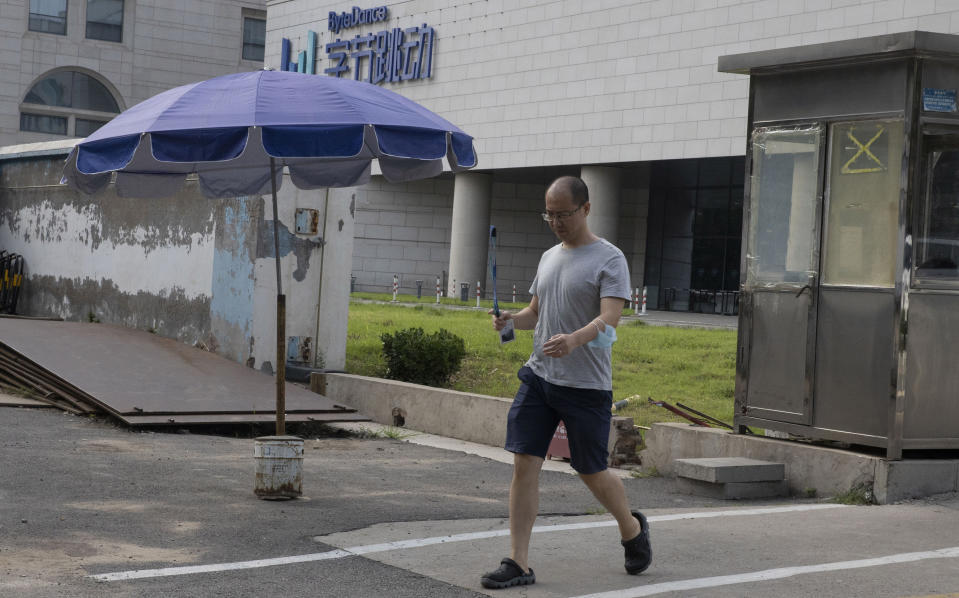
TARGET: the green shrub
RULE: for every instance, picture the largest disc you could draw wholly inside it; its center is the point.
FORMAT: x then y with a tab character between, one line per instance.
414	356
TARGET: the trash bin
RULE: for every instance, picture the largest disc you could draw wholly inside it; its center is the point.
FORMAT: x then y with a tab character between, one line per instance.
279	467
352	284
464	291
419	289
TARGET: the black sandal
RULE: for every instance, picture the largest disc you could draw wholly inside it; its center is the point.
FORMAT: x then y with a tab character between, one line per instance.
507	575
639	554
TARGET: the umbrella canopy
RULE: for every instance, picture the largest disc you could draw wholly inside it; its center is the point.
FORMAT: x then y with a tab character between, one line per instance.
325	130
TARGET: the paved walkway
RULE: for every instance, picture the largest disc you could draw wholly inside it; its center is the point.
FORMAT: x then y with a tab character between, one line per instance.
88	509
685	319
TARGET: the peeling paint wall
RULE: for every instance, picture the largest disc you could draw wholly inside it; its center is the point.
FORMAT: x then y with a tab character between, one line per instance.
140	263
231	306
315	277
186	267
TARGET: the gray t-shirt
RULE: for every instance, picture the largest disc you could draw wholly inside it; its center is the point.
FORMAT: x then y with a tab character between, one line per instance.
569	284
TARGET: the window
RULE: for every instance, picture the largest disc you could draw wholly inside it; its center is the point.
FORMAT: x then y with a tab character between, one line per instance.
937	231
694	230
85	126
105	20
67	103
863	215
254	38
48	16
783	232
39	123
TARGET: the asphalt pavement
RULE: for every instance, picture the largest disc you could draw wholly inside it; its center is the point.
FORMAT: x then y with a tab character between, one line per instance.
88	508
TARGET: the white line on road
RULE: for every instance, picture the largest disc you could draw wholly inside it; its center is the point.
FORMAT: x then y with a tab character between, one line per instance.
769	574
420	542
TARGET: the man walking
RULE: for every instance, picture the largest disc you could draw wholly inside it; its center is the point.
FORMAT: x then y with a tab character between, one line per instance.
578	293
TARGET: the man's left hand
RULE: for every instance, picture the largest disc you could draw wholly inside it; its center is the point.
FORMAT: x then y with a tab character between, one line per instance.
558	345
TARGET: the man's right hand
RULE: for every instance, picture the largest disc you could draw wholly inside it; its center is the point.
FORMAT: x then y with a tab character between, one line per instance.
500	321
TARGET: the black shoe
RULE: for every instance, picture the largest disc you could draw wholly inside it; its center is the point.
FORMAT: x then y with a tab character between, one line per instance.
509	574
639	554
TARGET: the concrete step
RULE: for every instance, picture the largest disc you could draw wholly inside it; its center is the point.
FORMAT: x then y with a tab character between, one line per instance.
732	490
724	470
730	478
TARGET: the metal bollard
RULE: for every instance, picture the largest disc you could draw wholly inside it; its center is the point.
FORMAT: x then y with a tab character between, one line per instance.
396	286
636	302
643	312
437	290
514	293
477	293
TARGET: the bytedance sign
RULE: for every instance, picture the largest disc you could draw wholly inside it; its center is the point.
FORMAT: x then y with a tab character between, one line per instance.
390	55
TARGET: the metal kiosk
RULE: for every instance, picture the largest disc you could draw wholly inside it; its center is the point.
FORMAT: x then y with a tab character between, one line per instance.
849	314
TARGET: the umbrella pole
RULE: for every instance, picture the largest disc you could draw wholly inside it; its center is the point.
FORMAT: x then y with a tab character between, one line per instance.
280	316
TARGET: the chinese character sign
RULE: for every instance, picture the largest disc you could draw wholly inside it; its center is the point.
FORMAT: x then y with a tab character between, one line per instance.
394	55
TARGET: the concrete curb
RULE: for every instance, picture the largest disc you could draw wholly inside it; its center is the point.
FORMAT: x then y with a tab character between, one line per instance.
826	470
459	416
454	414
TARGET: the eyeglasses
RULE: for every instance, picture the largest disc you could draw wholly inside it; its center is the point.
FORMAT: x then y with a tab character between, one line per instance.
550	216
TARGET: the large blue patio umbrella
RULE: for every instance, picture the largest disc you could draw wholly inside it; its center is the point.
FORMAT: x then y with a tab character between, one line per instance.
237	132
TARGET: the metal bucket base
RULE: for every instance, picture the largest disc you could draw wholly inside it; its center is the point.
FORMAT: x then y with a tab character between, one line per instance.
279	467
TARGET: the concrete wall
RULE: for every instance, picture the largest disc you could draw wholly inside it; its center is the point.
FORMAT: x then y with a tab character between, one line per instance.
198	270
449	413
165	44
405	230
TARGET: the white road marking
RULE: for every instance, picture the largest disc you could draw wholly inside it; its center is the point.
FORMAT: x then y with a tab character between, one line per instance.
769	574
168	571
420	542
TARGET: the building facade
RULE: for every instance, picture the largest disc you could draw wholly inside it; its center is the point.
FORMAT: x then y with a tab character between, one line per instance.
624	93
68	66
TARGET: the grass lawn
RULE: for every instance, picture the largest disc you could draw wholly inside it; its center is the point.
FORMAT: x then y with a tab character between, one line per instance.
692	366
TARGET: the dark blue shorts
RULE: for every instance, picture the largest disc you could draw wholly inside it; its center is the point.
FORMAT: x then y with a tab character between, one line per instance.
538	408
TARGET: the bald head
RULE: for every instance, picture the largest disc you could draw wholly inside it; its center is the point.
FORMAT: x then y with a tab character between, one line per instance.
571	186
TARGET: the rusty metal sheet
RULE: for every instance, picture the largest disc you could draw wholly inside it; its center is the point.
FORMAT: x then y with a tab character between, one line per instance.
134	374
14	401
236	418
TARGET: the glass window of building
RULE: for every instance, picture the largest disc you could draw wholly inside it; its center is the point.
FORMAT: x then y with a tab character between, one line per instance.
254	38
695	231
67	103
43	123
48	16
105	20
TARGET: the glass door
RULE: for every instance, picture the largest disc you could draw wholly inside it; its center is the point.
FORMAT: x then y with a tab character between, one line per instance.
780	292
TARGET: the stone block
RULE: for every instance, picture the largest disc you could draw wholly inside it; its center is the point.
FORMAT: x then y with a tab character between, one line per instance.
899	480
720	470
732	490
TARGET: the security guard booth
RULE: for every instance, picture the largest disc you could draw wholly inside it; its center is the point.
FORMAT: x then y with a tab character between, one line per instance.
849	316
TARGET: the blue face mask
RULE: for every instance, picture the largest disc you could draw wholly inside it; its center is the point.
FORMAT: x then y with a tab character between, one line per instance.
605	338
